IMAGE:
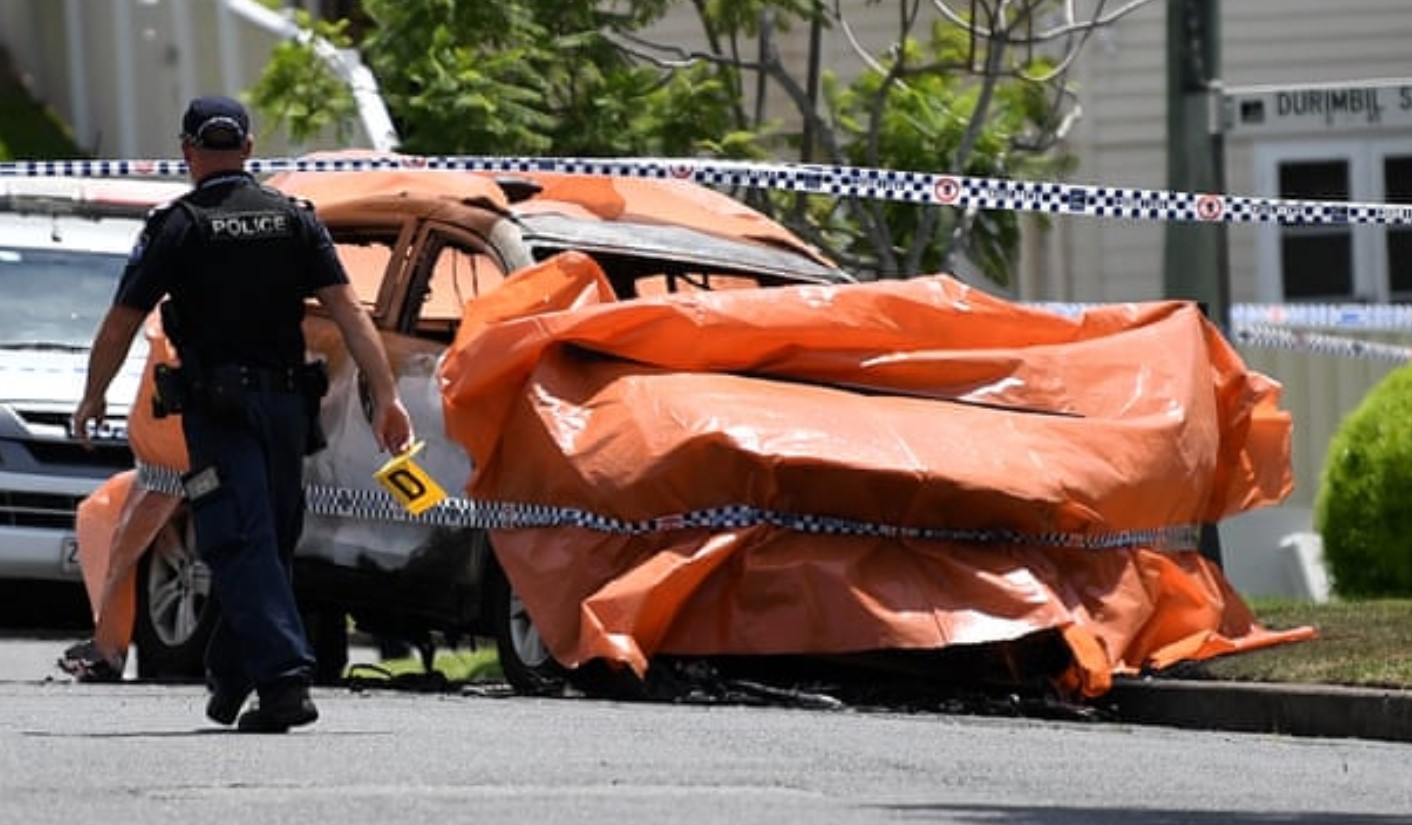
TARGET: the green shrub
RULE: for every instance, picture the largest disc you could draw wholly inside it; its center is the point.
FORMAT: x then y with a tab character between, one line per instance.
28	129
1363	508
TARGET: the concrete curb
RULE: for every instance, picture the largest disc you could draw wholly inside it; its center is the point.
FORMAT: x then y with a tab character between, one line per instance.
1261	707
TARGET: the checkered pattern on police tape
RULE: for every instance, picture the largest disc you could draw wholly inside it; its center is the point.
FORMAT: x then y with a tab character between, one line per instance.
961	191
1269	337
377	505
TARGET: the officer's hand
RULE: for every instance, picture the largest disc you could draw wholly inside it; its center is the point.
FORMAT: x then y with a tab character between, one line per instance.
392	427
89	409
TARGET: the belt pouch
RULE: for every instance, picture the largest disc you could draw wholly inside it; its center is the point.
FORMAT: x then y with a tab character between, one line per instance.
225	393
169	390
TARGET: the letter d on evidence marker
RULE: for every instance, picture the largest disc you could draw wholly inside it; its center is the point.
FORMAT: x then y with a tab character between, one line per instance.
413	488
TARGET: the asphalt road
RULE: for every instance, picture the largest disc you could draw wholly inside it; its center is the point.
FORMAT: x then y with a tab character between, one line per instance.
143	753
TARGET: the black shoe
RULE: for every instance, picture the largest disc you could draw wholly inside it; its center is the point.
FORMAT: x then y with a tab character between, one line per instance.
83	662
284	708
224	705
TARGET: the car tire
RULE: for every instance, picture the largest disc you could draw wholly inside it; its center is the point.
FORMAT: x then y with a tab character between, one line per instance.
527	664
176	608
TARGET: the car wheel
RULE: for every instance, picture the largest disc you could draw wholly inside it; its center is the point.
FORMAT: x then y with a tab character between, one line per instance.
526	662
176	610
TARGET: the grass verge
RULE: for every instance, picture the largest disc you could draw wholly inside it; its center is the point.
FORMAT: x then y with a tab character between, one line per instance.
1360	643
476	665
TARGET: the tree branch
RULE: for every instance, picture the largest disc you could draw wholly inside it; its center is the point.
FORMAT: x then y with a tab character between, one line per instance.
1071	25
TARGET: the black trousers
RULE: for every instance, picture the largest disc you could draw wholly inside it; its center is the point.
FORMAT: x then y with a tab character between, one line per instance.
247	502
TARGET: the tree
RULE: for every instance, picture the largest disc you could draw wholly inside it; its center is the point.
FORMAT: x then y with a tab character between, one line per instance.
299	90
981	91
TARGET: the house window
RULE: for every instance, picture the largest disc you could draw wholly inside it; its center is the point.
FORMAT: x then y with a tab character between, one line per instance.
1360	262
1397	177
1316	259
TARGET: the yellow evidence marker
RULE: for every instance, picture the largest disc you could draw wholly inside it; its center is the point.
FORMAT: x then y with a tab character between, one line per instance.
409	483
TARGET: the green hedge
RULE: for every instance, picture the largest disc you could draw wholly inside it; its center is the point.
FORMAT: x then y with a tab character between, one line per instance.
29	130
1363	509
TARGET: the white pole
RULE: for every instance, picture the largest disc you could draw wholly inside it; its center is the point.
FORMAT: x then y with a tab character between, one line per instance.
128	106
74	42
232	67
185	48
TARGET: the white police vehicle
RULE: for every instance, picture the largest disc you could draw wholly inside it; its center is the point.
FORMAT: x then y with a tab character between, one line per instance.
63	244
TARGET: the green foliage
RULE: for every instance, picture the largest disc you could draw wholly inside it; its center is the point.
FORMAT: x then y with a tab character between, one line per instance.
462	77
584	78
29	130
917	111
300	92
1363	508
475	665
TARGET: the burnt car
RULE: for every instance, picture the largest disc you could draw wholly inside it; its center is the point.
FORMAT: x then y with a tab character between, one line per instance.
665	463
419	246
883	487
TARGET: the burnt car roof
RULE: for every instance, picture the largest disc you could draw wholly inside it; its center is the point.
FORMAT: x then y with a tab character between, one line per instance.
547	231
669	219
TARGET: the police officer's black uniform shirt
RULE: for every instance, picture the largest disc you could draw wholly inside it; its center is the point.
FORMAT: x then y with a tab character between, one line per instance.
238	260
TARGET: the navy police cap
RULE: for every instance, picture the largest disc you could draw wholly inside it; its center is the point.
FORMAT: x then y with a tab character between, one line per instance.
215	122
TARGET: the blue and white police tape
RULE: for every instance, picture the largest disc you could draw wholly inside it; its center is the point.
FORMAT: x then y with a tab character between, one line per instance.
377	505
1343	317
1270	337
1297	327
927	188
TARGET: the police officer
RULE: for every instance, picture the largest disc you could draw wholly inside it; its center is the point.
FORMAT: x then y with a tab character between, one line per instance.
237	261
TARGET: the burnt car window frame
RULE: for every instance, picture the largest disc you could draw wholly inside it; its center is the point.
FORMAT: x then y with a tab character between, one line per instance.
402	231
431	238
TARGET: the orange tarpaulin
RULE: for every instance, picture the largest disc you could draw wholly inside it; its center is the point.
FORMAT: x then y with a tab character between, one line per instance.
116	524
1066	447
894	465
119	521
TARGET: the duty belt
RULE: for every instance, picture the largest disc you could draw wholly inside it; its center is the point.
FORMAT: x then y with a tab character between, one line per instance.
278	379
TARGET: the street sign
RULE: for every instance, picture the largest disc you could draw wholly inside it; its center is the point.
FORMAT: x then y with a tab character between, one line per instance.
1317	108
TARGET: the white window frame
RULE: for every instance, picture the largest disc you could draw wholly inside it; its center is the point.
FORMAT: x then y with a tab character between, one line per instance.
1379	150
1364	156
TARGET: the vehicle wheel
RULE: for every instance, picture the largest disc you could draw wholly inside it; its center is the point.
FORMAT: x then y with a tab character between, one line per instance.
176	610
525	661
